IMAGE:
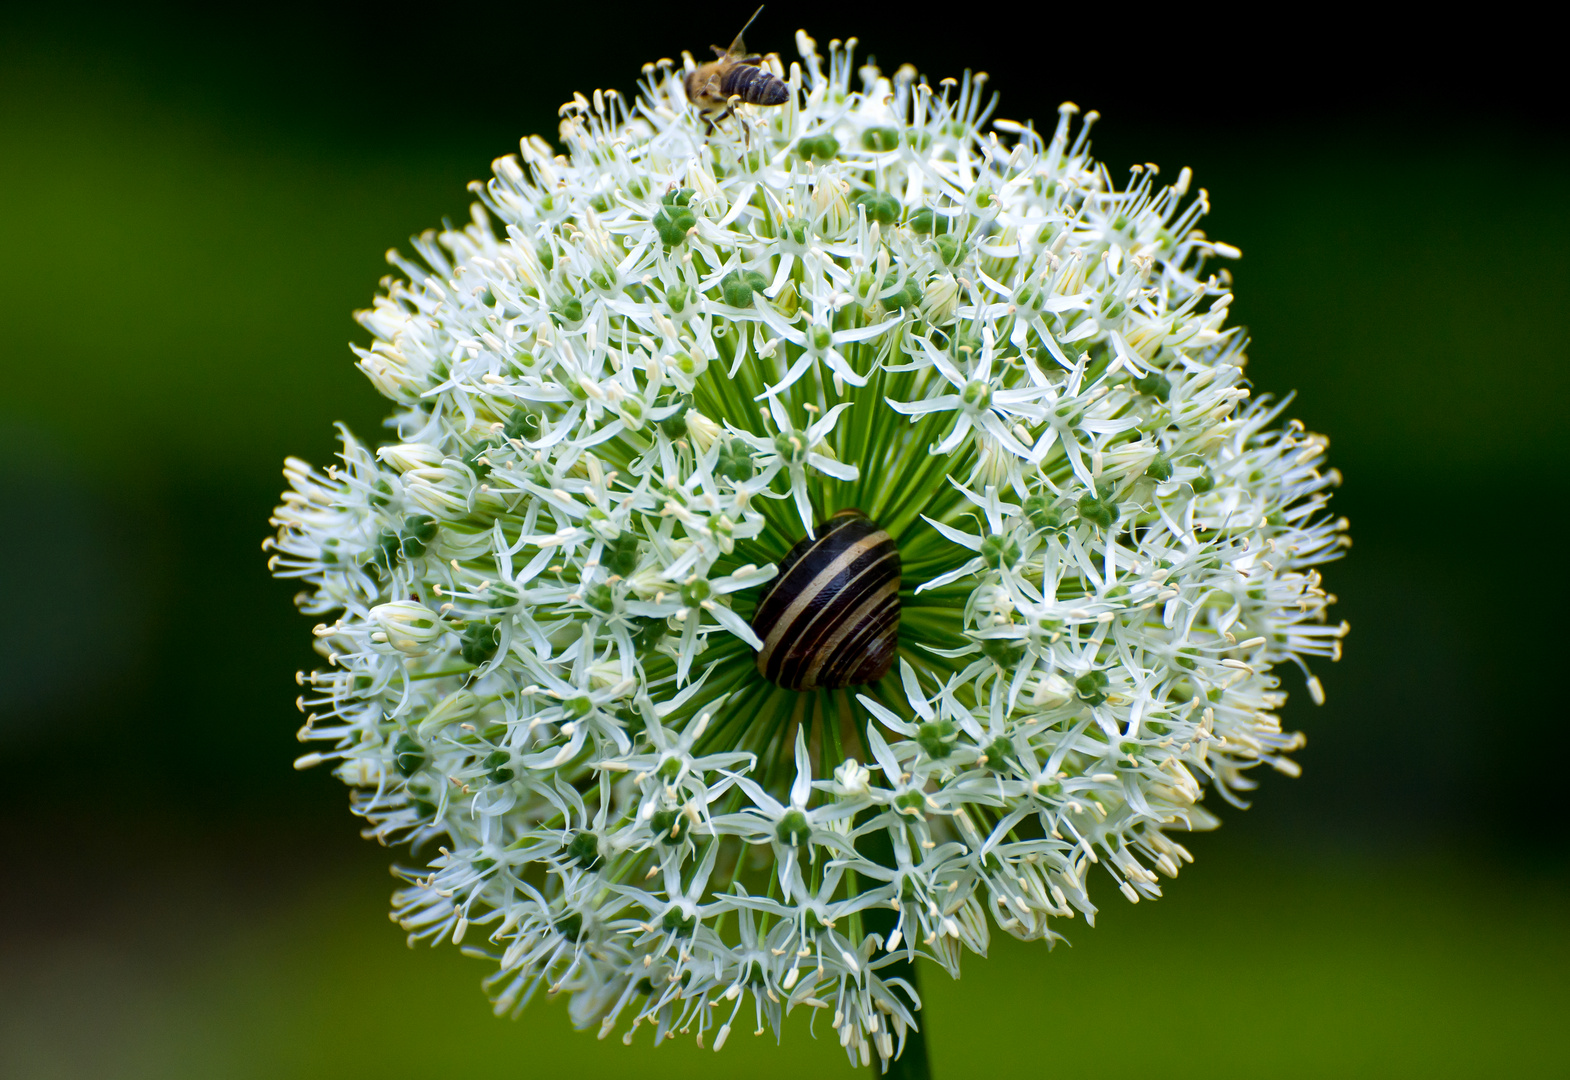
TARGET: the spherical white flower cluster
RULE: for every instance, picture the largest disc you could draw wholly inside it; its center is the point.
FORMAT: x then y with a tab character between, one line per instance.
646	369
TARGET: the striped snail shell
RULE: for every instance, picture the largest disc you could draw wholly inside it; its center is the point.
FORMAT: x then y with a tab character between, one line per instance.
830	618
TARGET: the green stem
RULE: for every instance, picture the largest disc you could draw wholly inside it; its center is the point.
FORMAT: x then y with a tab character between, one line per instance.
913	1064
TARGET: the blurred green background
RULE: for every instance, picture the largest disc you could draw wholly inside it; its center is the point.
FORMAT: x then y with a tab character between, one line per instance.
193	202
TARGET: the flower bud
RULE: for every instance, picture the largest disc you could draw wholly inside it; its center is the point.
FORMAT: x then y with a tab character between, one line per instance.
406	456
939	299
409	626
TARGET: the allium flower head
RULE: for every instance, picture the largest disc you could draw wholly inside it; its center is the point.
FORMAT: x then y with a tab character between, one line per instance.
650	366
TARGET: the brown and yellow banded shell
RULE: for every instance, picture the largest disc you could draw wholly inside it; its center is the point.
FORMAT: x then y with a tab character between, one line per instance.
830	619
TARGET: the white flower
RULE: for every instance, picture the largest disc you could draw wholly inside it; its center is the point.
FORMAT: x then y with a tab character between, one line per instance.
979	403
790	825
820	344
651	365
793	451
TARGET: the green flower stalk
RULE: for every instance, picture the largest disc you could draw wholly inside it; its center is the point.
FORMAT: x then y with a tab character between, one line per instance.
648	368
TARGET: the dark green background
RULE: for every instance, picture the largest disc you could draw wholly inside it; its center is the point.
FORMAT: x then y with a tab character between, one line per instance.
191	204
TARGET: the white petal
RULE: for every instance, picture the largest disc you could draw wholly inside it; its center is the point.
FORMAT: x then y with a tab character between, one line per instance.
837	469
734	623
866	332
957	436
922	408
801	787
961	538
913	694
953	575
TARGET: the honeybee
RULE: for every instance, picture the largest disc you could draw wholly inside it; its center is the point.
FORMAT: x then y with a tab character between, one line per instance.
733	77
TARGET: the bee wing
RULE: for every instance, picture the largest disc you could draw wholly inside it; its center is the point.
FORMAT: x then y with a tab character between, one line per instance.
737	49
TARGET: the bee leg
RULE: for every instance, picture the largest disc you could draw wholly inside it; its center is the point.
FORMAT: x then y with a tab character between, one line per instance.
730	110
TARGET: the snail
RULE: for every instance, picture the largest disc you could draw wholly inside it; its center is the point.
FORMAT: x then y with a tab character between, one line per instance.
830	618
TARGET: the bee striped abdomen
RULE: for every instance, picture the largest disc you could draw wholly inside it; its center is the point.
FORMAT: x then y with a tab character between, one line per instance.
753	85
830	619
